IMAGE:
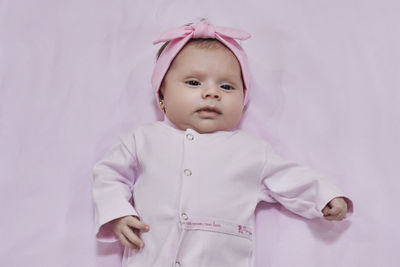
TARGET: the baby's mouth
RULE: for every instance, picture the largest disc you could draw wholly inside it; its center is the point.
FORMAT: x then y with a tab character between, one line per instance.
208	109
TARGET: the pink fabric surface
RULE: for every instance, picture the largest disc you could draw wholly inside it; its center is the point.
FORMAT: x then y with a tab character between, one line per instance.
75	74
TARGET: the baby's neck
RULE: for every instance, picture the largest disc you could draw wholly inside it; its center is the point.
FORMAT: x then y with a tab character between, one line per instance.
170	123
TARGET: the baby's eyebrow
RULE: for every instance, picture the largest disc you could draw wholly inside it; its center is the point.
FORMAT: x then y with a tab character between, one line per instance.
194	73
200	73
233	77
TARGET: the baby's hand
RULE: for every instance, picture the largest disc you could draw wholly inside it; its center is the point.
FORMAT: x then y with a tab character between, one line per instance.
127	228
336	209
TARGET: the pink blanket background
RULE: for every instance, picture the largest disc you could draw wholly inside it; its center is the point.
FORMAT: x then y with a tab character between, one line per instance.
75	74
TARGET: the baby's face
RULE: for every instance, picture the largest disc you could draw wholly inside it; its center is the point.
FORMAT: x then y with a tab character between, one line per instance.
203	89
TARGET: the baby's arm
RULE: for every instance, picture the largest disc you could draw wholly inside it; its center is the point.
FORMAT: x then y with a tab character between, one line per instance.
122	228
114	177
301	190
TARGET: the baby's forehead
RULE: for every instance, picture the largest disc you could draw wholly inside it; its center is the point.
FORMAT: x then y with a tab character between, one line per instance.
211	46
200	66
190	51
205	43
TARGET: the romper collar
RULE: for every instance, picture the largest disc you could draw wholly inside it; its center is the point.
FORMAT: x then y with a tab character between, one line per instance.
168	124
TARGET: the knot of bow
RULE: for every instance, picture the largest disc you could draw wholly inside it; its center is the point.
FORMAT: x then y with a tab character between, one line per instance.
202	29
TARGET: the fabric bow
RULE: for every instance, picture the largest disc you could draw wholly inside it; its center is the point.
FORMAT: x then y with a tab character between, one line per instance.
202	29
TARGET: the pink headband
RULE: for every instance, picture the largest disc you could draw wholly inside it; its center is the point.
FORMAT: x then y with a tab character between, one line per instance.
180	36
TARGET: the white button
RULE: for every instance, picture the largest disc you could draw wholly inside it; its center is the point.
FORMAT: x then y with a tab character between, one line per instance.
189	137
187	172
184	216
177	264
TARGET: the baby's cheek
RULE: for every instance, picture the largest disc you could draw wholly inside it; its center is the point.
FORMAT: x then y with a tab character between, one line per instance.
239	109
234	116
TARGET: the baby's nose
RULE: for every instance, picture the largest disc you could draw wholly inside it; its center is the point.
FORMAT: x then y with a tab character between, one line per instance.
212	92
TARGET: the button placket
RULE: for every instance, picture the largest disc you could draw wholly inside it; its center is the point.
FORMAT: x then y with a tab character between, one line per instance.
187	172
190	137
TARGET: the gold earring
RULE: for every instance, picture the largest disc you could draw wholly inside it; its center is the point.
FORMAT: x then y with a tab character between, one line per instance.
162	105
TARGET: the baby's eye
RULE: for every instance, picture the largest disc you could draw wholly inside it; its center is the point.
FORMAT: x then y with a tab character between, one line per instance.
226	87
193	83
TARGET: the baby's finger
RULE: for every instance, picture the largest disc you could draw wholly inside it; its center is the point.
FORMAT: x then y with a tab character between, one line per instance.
342	214
325	211
335	210
137	224
338	217
132	237
125	242
329	218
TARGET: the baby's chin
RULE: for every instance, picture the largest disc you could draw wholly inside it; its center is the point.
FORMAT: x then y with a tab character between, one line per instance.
203	125
209	126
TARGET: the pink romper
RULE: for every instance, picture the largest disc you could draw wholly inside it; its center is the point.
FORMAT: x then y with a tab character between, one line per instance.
198	194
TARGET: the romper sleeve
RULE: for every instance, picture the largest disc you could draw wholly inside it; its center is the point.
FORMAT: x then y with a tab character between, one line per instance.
113	179
298	188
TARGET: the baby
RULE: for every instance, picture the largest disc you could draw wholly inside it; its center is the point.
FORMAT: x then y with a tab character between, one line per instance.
183	191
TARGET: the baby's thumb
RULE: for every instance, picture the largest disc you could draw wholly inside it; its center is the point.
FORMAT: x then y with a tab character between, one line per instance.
326	211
